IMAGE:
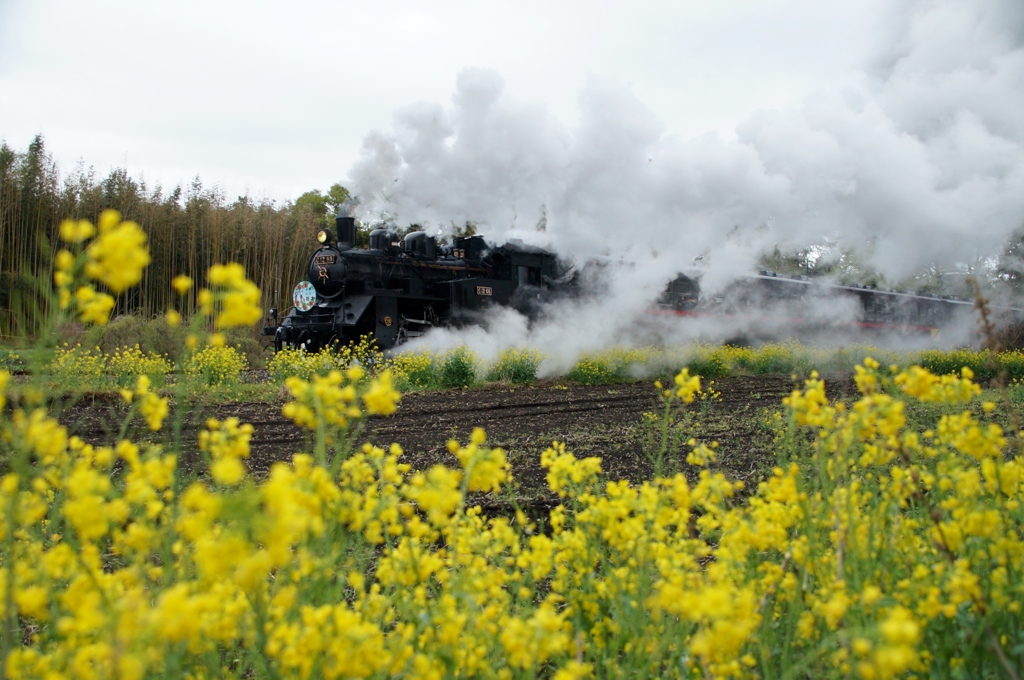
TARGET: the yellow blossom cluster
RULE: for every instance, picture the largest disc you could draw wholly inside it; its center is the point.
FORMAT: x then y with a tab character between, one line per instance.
75	361
298	363
5	381
153	407
118	254
93	307
324	400
232	299
226	443
363	355
924	386
116	257
688	386
128	362
485	469
566	472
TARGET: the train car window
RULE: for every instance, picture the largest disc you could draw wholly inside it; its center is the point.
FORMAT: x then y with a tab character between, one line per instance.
681	287
528	276
874	309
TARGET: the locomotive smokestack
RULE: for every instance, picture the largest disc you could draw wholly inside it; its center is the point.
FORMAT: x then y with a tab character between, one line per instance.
346	230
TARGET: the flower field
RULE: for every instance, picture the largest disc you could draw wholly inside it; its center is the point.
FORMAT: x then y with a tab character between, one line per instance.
886	541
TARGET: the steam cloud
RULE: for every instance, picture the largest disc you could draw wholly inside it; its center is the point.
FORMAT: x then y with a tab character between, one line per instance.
918	162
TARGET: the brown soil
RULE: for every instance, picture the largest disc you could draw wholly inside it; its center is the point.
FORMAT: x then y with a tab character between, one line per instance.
602	420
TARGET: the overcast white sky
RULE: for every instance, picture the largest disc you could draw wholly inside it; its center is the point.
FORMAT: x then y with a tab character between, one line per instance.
275	98
681	128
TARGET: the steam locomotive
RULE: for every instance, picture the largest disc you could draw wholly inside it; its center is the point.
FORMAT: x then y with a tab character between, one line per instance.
400	288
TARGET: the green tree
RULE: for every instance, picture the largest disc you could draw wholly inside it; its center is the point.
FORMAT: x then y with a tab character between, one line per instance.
320	208
336	196
1010	268
312	203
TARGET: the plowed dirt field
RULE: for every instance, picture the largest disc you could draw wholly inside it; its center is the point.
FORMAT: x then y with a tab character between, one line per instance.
602	420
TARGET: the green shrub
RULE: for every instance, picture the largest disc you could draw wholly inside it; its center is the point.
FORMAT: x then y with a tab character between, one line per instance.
248	346
121	331
151	336
708	366
458	368
592	371
11	360
773	359
946	362
516	366
73	332
1013	364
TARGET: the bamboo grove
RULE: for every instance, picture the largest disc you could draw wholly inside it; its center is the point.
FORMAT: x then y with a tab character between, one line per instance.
189	229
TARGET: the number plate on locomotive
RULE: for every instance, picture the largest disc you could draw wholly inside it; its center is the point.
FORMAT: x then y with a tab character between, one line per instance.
484	290
325	259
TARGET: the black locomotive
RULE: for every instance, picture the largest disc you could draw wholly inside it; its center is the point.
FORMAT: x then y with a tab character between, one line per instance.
400	288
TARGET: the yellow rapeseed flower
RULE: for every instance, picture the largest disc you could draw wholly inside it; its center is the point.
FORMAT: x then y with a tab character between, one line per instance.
486	469
93	307
235	298
154	409
182	284
118	255
689	386
382	398
64	260
227	443
109	219
5	381
76	231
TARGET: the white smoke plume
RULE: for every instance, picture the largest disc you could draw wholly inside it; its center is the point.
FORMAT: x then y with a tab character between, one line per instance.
919	161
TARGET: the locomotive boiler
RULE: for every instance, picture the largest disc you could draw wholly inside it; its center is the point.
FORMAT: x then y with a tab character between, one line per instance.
401	287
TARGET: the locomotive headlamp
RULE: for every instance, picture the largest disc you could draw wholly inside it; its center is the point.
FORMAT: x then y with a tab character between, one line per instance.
323	236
